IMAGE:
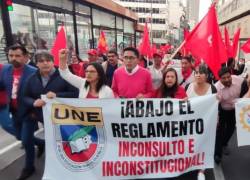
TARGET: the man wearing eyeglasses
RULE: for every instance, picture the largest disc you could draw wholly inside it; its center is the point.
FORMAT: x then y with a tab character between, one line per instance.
131	80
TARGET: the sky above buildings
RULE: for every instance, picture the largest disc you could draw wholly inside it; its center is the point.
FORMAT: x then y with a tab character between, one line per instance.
204	5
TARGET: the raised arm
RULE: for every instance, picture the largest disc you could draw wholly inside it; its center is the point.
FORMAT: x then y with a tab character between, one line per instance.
74	80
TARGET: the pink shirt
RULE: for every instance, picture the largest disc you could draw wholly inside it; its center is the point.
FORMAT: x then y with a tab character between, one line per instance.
228	95
130	85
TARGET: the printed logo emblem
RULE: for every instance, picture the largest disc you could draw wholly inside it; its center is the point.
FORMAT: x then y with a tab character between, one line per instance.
79	136
245	117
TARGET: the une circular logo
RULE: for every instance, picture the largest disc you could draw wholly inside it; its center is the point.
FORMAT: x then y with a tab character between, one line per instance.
79	147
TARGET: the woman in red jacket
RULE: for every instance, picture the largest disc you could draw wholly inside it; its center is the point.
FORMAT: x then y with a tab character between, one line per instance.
170	87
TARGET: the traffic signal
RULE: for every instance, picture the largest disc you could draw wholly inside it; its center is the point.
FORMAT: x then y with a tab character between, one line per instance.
9	5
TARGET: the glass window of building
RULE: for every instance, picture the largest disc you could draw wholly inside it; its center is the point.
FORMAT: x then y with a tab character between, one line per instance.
138	38
45	29
128	26
119	23
109	35
120	43
82	9
96	36
128	33
110	38
128	40
84	35
63	4
21	24
103	19
3	58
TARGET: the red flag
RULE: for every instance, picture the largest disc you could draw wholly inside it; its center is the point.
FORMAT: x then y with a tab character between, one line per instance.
59	43
235	43
246	46
165	48
186	33
102	44
227	43
153	50
205	42
144	47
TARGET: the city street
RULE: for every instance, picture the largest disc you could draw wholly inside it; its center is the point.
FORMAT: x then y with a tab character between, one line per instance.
234	167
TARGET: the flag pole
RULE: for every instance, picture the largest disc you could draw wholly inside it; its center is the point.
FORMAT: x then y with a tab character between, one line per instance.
172	56
177	50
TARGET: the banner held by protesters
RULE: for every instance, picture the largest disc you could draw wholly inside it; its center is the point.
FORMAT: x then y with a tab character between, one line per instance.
112	138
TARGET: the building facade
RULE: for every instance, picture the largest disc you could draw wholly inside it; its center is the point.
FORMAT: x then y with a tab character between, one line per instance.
235	14
34	23
155	12
177	21
193	12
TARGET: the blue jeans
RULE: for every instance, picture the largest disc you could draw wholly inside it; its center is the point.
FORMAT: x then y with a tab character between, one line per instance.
29	141
6	122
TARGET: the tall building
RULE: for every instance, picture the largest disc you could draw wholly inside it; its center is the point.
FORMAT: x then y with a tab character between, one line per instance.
155	12
193	12
177	21
235	14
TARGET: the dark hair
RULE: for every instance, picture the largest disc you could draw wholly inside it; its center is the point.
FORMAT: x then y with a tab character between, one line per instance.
188	58
168	91
223	71
202	69
18	46
134	50
102	78
112	51
41	53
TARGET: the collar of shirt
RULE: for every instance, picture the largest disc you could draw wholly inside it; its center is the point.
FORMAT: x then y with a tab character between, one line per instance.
45	79
133	71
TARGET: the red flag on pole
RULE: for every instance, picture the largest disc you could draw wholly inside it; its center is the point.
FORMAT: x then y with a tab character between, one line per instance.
205	42
227	43
102	44
165	48
186	33
153	50
235	43
246	46
144	47
59	43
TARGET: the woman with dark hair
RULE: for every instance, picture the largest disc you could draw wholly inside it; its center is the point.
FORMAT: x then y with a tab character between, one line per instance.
94	83
169	87
200	87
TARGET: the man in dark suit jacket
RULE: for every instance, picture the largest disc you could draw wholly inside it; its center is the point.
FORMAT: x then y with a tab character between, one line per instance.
13	79
46	80
5	120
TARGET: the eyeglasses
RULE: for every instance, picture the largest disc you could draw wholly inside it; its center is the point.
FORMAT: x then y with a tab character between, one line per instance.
129	57
91	71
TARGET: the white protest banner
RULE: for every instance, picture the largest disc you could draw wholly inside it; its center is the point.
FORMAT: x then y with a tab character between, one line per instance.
128	138
242	114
